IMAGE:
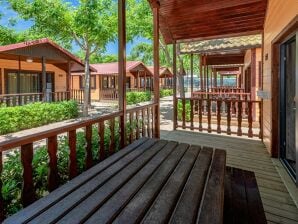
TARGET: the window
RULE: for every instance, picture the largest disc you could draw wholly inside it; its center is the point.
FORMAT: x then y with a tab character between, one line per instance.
92	82
105	83
25	82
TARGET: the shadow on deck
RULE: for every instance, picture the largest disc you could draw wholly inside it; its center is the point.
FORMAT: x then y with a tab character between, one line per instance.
248	154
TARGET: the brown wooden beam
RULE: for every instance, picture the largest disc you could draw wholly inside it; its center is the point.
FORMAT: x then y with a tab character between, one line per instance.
44	79
122	69
175	85
156	69
191	74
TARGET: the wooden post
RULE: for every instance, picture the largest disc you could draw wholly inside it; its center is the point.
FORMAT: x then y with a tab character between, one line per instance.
175	86
138	81
68	80
156	67
122	69
191	74
207	78
201	72
221	81
44	79
19	80
205	73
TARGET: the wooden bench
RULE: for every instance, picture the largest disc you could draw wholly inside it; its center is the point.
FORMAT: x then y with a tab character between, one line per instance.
149	181
243	202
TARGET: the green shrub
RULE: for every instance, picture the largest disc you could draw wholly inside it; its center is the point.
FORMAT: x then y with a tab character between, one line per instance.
18	118
165	92
187	110
137	97
12	168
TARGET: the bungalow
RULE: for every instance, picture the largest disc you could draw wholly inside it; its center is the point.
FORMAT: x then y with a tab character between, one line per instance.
104	81
165	77
36	70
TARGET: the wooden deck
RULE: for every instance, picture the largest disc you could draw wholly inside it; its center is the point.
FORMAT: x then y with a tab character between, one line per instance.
249	154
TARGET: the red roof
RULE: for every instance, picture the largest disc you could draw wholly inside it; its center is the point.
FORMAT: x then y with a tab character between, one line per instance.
163	71
24	49
112	68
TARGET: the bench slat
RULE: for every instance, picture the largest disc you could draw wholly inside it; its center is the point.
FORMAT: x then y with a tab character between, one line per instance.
109	210
161	209
140	203
127	165
211	210
187	207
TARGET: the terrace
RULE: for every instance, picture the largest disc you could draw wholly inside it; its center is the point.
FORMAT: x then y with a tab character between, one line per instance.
196	180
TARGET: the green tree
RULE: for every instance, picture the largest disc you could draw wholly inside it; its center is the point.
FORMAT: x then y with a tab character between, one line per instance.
139	24
91	25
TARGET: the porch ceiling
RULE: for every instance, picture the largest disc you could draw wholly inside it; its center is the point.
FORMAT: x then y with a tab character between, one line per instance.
190	20
225	59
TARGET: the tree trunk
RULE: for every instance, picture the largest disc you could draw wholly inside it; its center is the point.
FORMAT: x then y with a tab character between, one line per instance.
87	84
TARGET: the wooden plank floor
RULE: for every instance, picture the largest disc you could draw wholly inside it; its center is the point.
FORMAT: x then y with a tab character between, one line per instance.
248	154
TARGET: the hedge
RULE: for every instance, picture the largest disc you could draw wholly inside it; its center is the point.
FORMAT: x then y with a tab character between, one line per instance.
165	92
13	119
137	97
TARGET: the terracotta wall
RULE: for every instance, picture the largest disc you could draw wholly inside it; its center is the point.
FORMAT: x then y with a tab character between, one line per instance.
60	75
279	15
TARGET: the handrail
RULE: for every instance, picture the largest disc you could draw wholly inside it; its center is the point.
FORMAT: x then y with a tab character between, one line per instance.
13	143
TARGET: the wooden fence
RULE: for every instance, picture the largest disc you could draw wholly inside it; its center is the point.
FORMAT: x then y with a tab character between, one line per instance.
11	100
140	123
240	117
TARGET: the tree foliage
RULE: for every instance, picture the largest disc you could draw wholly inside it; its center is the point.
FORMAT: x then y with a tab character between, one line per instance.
91	25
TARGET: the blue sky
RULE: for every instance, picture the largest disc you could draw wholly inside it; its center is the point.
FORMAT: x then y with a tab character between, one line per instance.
112	48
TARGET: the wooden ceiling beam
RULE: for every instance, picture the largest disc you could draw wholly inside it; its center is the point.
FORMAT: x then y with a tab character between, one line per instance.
207	6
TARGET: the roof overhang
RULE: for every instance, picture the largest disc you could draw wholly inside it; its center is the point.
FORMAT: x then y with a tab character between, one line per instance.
188	20
52	52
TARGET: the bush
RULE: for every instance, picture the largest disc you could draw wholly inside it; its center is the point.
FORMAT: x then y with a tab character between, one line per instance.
187	110
137	97
18	118
12	168
165	92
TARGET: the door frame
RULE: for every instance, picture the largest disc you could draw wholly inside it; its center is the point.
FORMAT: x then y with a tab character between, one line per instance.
287	33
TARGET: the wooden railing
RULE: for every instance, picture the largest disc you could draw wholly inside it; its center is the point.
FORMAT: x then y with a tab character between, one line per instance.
108	94
227	89
11	100
222	95
78	95
140	122
239	117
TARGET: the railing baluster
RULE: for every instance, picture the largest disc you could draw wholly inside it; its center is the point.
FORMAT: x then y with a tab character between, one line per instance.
183	114
28	191
53	178
209	115
239	131
200	115
112	137
260	120
130	128
138	126
101	133
143	123
228	103
250	132
88	135
191	114
148	123
219	103
152	122
72	140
